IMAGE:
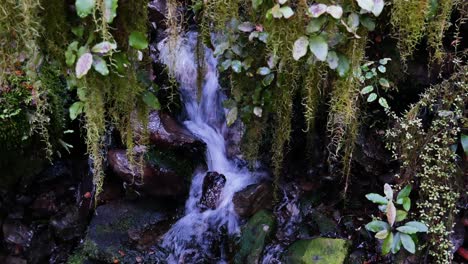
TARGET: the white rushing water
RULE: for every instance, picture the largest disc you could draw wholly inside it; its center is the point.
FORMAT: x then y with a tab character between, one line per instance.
192	236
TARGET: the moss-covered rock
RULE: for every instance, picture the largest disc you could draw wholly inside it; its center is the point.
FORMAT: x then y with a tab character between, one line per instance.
255	235
318	251
122	227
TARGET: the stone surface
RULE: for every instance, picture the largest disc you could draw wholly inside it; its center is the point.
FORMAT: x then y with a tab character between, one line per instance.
213	185
255	235
253	198
156	179
165	131
16	233
318	251
117	225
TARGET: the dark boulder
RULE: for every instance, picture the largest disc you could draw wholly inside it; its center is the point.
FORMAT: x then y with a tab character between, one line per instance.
17	234
213	185
155	179
164	131
253	198
118	225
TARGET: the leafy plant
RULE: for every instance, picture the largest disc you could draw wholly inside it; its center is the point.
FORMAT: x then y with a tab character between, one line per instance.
369	75
392	232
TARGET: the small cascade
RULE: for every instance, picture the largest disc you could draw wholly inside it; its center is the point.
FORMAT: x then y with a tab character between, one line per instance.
198	235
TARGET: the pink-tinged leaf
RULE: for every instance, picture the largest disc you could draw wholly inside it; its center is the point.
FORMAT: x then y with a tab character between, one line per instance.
317	10
391	213
335	11
103	47
83	65
378	7
367	5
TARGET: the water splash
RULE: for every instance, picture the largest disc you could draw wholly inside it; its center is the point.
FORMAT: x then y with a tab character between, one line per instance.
195	235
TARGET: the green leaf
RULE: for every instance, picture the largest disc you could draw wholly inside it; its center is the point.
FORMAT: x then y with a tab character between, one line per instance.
121	62
316	24
263	71
367	5
406	203
256	4
384	61
388	191
225	65
367	89
247	63
84	7
383	102
263	37
464	142
138	40
236	66
100	65
421	227
70	56
382	69
377	225
78	31
110	10
396	243
221	48
343	65
268	79
408	243
246	27
368	23
103	47
405	192
319	47
401	215
382	234
387	244
81	92
384	82
275	11
407	229
335	11
376	198
332	60
231	116
300	47
76	109
286	11
151	100
372	97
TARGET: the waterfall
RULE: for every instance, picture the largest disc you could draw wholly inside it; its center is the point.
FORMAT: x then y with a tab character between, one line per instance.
192	238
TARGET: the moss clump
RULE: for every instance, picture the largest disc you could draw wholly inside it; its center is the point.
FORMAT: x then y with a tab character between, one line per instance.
409	23
438	24
424	149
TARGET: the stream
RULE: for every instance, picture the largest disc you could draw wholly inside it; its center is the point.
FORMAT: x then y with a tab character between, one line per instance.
193	235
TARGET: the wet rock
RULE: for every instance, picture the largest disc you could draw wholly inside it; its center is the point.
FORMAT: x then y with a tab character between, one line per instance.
325	225
213	185
60	169
370	153
157	178
116	225
157	12
68	225
253	198
164	131
255	234
16	233
42	247
318	251
44	205
12	260
357	257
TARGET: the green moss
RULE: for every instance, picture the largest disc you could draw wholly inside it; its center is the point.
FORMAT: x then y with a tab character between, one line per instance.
436	28
318	251
408	21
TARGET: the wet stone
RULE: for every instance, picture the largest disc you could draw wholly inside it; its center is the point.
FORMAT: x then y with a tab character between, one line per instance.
253	198
213	185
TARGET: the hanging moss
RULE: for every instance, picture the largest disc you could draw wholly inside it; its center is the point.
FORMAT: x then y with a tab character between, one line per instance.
436	28
343	120
408	21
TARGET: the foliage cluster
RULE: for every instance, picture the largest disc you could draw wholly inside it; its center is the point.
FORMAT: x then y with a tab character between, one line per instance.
427	157
405	234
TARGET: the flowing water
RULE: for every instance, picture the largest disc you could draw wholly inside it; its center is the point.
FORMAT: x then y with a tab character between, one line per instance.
197	235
